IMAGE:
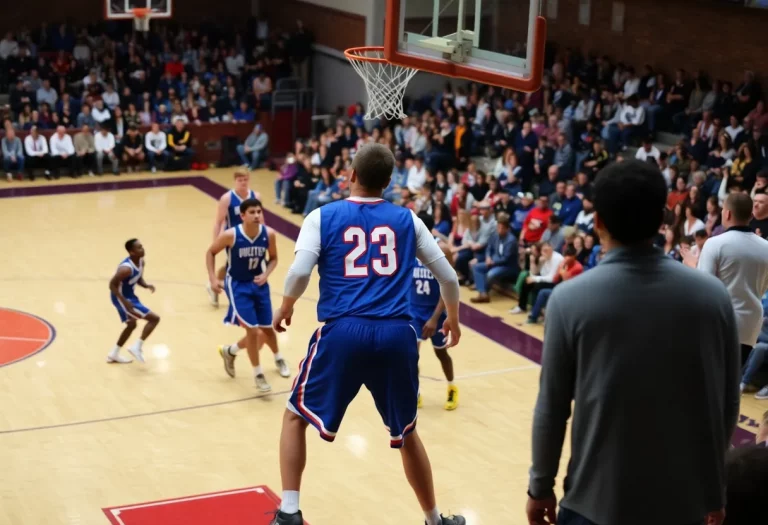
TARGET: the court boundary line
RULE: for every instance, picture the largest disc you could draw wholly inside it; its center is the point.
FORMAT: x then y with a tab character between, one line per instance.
51	336
507	336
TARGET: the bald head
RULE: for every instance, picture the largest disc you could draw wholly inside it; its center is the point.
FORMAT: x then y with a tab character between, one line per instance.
738	208
373	165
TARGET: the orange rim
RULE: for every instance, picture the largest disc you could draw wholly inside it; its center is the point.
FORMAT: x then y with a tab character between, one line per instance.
357	53
140	12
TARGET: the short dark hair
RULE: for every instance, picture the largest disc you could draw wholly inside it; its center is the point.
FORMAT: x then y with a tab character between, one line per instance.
129	244
374	164
746	470
555	219
250	203
700	234
740	204
427	219
629	199
570	251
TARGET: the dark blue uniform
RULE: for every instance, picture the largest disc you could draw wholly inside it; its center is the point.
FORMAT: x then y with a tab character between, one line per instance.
249	303
425	295
366	256
233	212
128	289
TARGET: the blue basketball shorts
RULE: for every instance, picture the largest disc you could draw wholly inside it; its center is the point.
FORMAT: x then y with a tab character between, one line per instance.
124	315
346	354
249	304
421	315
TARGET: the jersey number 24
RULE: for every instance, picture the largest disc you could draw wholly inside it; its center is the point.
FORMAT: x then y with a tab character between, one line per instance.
383	236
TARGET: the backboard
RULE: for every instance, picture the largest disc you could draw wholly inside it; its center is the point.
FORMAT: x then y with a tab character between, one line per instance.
123	9
498	42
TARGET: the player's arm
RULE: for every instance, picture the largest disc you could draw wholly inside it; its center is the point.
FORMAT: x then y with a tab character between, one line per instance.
143	283
122	273
433	257
221	242
221	215
307	251
429	329
272	264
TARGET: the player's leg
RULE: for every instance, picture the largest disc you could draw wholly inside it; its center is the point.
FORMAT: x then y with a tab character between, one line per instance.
268	335
114	356
392	378
439	344
328	380
152	320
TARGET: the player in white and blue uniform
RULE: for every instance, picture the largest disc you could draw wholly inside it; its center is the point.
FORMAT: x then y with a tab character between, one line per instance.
364	248
122	287
252	256
428	316
228	216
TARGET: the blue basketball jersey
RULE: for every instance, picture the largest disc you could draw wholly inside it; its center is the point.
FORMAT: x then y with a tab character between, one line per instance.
127	287
366	260
425	291
233	212
246	255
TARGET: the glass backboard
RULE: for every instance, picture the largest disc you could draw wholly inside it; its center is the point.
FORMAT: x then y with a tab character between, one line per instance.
123	9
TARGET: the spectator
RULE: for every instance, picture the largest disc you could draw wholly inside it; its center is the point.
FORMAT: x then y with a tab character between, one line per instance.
759	222
101	113
85	151
46	94
692	223
746	479
500	262
13	154
36	149
62	152
754	376
156	144
323	192
571	205
564	158
581	365
648	151
308	177
133	149
284	179
477	248
255	147
244	113
585	218
569	268
104	143
180	150
536	221
540	277
596	160
417	176
85	118
262	89
110	97
631	121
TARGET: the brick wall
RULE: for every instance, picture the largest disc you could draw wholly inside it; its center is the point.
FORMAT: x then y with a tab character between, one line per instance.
723	40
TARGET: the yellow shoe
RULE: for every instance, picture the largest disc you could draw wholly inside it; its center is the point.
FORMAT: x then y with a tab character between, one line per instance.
418	403
453	398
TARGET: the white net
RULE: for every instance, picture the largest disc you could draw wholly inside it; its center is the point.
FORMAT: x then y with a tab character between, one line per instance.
384	82
141	21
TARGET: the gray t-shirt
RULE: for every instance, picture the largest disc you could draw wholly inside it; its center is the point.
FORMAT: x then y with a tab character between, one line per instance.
648	350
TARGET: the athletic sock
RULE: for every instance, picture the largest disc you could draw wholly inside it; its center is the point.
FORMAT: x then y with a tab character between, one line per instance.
450	383
137	345
290	503
233	349
115	351
433	517
257	371
278	356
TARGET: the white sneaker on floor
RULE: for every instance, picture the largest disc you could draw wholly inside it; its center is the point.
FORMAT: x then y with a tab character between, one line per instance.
282	368
516	310
261	383
154	170
138	353
213	297
229	361
9	177
117	358
762	394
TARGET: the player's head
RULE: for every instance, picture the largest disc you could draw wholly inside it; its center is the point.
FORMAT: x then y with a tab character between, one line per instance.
251	211
372	168
427	219
242	178
737	210
134	248
629	200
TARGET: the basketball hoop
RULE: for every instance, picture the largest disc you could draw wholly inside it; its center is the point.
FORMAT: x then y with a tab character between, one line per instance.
384	82
141	16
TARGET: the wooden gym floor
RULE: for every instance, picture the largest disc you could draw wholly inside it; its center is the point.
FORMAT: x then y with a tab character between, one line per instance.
78	435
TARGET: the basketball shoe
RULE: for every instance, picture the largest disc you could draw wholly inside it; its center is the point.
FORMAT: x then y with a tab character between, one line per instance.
281	518
229	360
453	520
453	398
261	383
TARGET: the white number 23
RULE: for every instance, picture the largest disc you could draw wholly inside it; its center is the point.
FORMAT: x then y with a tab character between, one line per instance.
386	265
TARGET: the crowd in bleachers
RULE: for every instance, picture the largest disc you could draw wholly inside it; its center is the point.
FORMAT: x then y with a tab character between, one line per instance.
109	76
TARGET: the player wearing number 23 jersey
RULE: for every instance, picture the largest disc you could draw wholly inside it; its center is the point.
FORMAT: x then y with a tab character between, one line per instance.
365	249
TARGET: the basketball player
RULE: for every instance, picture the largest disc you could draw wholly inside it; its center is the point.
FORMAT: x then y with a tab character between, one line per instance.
428	314
122	286
365	249
228	216
247	288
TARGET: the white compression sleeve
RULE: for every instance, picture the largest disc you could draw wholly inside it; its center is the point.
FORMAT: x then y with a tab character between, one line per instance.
297	279
446	276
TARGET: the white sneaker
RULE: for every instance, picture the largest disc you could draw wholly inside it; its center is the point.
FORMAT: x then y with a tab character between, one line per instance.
762	394
117	358
9	177
229	361
261	383
212	296
138	353
90	173
282	368
516	310
154	170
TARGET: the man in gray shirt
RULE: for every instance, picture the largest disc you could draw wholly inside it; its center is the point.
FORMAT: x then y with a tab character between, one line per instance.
655	402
